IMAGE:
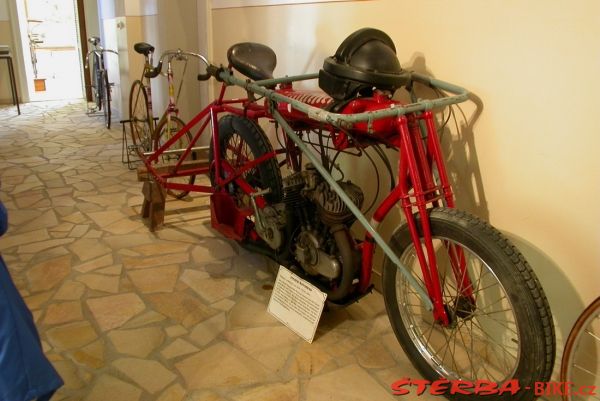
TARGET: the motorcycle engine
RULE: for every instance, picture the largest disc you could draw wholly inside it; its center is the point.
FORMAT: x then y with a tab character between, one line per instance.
322	214
332	210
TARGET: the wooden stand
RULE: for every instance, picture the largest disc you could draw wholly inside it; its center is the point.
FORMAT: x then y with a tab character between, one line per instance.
154	203
155	195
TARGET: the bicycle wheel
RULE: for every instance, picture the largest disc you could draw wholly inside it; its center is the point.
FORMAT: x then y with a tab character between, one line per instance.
139	119
95	83
505	334
99	86
241	141
166	130
581	357
106	99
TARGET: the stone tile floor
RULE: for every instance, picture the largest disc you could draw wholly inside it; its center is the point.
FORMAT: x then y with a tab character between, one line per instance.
180	314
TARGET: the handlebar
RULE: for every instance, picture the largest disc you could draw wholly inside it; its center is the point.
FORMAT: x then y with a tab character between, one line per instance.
178	55
264	88
98	52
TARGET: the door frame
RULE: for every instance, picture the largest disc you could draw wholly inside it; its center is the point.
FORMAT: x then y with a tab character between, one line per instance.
22	57
87	83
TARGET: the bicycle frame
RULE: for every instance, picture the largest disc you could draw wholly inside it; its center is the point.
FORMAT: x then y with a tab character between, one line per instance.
102	95
145	79
98	53
172	109
149	72
418	187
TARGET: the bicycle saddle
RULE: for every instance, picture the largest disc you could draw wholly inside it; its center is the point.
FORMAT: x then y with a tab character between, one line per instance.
143	48
94	40
254	60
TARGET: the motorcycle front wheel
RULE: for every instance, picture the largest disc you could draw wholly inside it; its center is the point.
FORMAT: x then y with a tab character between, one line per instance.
502	333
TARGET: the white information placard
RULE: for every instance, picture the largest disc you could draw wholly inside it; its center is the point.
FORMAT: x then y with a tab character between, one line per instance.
297	303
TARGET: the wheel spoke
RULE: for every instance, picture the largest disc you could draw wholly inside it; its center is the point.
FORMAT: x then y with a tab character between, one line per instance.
469	346
493	303
166	129
469	354
488	339
241	141
581	359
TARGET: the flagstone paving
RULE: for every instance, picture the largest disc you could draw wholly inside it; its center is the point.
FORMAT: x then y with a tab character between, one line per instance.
179	314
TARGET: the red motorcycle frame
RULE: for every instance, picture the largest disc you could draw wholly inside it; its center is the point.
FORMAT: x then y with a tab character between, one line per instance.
494	314
378	119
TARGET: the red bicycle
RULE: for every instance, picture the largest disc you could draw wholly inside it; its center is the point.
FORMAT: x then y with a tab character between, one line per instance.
463	302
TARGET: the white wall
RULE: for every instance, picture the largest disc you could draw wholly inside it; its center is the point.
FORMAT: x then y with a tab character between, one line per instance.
19	48
6	38
526	156
92	19
178	28
4	10
164	24
140	7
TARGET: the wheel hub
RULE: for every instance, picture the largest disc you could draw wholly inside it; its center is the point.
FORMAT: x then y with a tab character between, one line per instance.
463	307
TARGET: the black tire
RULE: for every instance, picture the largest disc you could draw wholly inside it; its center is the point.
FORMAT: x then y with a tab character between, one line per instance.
521	348
139	119
164	132
106	99
97	83
252	140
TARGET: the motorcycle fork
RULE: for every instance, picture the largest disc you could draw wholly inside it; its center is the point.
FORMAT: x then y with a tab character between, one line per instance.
455	253
418	190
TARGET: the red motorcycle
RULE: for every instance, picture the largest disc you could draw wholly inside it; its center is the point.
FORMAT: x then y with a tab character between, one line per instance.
463	302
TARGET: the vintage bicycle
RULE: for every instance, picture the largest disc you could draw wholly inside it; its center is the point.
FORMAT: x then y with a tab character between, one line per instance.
462	300
141	117
145	133
101	88
580	365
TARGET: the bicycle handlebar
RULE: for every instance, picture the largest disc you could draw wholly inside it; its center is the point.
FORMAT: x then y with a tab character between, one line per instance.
98	52
175	54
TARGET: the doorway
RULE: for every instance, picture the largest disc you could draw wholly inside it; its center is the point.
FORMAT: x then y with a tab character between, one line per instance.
51	49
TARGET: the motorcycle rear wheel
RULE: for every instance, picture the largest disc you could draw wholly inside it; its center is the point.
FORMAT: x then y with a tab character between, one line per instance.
506	334
242	140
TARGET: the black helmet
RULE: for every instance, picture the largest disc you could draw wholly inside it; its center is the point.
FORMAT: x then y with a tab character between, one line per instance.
365	59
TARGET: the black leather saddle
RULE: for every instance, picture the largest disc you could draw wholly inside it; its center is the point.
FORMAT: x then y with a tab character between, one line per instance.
254	60
143	48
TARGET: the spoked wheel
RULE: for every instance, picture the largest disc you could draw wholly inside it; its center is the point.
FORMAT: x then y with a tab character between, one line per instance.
97	85
140	119
166	130
502	331
106	99
241	141
581	357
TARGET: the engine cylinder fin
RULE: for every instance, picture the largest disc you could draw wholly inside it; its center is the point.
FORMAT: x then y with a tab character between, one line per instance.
292	187
332	209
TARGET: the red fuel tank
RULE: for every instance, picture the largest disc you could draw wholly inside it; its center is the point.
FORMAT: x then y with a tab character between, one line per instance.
381	128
